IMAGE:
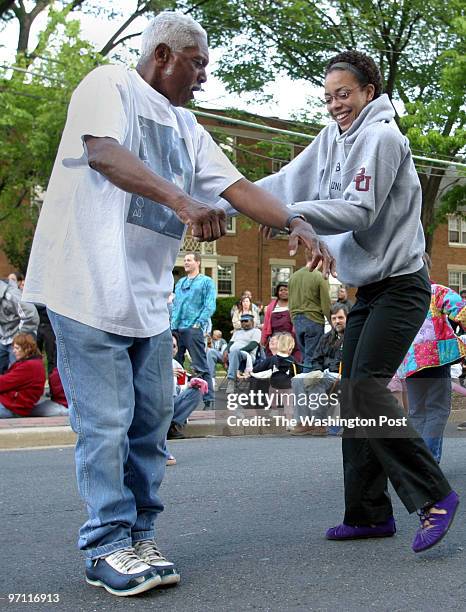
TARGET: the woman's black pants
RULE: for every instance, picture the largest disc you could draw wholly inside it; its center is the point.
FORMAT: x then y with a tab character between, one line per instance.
379	331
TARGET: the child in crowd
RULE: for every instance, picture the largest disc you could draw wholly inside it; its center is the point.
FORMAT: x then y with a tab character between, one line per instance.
283	369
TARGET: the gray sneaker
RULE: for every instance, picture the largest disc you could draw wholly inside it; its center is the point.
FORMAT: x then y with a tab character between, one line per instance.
122	573
461	426
148	552
230	386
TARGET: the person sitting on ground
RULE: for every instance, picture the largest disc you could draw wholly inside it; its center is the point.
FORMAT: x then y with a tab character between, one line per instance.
283	369
342	298
16	317
57	405
186	394
244	306
325	371
215	354
242	346
23	384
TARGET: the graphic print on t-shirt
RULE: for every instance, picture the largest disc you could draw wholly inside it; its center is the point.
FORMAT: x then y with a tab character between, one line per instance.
164	152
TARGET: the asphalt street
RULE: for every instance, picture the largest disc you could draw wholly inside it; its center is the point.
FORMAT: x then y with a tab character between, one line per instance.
244	520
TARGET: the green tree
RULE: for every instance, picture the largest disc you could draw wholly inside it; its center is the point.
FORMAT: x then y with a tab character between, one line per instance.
32	114
34	94
419	46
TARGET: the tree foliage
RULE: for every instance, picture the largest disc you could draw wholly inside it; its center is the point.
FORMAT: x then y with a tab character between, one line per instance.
419	46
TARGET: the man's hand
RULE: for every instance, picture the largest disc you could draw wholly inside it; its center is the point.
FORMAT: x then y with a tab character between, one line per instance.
302	232
207	222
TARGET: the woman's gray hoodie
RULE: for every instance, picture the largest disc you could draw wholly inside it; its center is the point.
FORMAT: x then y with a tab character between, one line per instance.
361	193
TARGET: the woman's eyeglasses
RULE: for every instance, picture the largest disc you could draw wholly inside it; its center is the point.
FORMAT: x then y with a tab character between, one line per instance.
343	94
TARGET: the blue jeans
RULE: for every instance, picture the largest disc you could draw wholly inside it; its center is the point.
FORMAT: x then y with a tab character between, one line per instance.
316	400
213	357
192	339
7	357
236	358
7	414
120	397
429	397
308	333
184	403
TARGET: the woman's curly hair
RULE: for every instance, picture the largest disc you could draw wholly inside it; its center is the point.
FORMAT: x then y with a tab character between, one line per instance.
364	64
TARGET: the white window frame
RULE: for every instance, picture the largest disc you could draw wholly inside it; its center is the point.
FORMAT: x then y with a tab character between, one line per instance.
279	265
457	279
231	225
226	264
458	225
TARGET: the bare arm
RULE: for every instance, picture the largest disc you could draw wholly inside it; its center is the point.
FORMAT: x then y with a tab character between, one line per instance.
125	170
260	205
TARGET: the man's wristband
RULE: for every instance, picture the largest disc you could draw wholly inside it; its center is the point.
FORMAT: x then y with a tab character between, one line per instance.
290	219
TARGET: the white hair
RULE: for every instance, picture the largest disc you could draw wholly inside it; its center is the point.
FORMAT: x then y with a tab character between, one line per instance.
174	29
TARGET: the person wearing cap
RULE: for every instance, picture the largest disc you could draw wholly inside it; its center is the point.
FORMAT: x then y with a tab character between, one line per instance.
243	345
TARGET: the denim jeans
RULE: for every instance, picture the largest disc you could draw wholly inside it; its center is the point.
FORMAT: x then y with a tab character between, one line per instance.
192	339
7	357
184	403
236	358
429	396
321	401
7	414
213	357
308	333
120	397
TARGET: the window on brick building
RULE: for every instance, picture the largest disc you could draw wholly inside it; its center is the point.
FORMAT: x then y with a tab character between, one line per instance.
456	230
225	279
457	280
280	274
231	225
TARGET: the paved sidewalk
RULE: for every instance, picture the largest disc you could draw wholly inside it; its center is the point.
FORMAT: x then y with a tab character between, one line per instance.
55	431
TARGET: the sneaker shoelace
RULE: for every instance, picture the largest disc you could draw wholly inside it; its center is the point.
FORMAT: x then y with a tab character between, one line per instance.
148	550
126	560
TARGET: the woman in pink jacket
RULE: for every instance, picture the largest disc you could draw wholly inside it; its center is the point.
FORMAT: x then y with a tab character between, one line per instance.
23	383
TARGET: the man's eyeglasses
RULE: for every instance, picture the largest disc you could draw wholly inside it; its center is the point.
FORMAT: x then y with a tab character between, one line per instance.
343	94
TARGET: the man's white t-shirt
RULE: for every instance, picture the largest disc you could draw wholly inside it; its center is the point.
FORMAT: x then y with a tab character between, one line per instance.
102	256
242	337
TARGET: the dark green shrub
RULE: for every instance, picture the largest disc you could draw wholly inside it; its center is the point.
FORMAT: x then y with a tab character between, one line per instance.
222	319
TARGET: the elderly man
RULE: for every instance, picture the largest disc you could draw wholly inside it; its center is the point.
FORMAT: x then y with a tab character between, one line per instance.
132	171
242	347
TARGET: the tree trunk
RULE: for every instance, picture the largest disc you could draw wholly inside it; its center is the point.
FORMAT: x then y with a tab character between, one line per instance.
430	189
24	31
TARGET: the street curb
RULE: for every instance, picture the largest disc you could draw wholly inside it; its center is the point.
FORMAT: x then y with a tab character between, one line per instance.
38	437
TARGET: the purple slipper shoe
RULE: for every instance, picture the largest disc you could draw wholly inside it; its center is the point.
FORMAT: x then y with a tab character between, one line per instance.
434	526
350	532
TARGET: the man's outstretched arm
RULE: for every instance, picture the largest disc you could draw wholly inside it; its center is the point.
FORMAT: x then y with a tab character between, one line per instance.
263	207
125	170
